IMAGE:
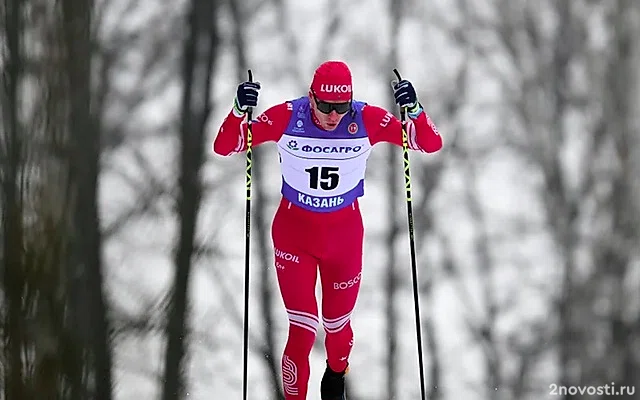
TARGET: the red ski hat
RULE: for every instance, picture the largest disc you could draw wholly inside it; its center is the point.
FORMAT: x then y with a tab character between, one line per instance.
332	81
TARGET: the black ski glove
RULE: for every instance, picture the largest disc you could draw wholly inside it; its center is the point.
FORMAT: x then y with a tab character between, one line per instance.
405	96
246	96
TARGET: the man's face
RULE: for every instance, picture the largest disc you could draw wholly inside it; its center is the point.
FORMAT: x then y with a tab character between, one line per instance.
329	113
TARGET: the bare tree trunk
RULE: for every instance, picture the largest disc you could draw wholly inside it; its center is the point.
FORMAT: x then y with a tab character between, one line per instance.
270	356
10	157
542	102
85	166
562	210
615	254
392	281
428	179
485	329
200	50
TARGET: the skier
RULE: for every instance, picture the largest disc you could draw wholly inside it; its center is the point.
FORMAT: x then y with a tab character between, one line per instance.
324	140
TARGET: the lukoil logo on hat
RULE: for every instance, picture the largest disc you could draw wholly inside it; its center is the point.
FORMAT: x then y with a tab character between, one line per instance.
332	81
325	88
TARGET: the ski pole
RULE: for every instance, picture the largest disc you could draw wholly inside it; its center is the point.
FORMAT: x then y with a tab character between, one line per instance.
414	269
247	248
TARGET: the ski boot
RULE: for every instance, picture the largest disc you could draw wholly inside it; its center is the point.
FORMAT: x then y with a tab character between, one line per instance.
332	384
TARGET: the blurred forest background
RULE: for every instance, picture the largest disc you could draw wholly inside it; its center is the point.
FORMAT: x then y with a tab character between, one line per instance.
123	235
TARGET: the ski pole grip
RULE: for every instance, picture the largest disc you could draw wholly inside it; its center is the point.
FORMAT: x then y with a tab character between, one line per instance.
250	111
402	109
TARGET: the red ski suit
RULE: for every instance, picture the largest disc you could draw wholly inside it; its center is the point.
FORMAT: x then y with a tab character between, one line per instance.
307	241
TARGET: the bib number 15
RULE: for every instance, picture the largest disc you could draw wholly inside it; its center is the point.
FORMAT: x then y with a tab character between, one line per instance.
326	178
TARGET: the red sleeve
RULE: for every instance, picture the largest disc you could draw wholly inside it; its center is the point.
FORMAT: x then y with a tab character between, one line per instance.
382	126
267	127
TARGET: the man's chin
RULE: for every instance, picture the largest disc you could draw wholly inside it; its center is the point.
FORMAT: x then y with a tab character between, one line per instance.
330	127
